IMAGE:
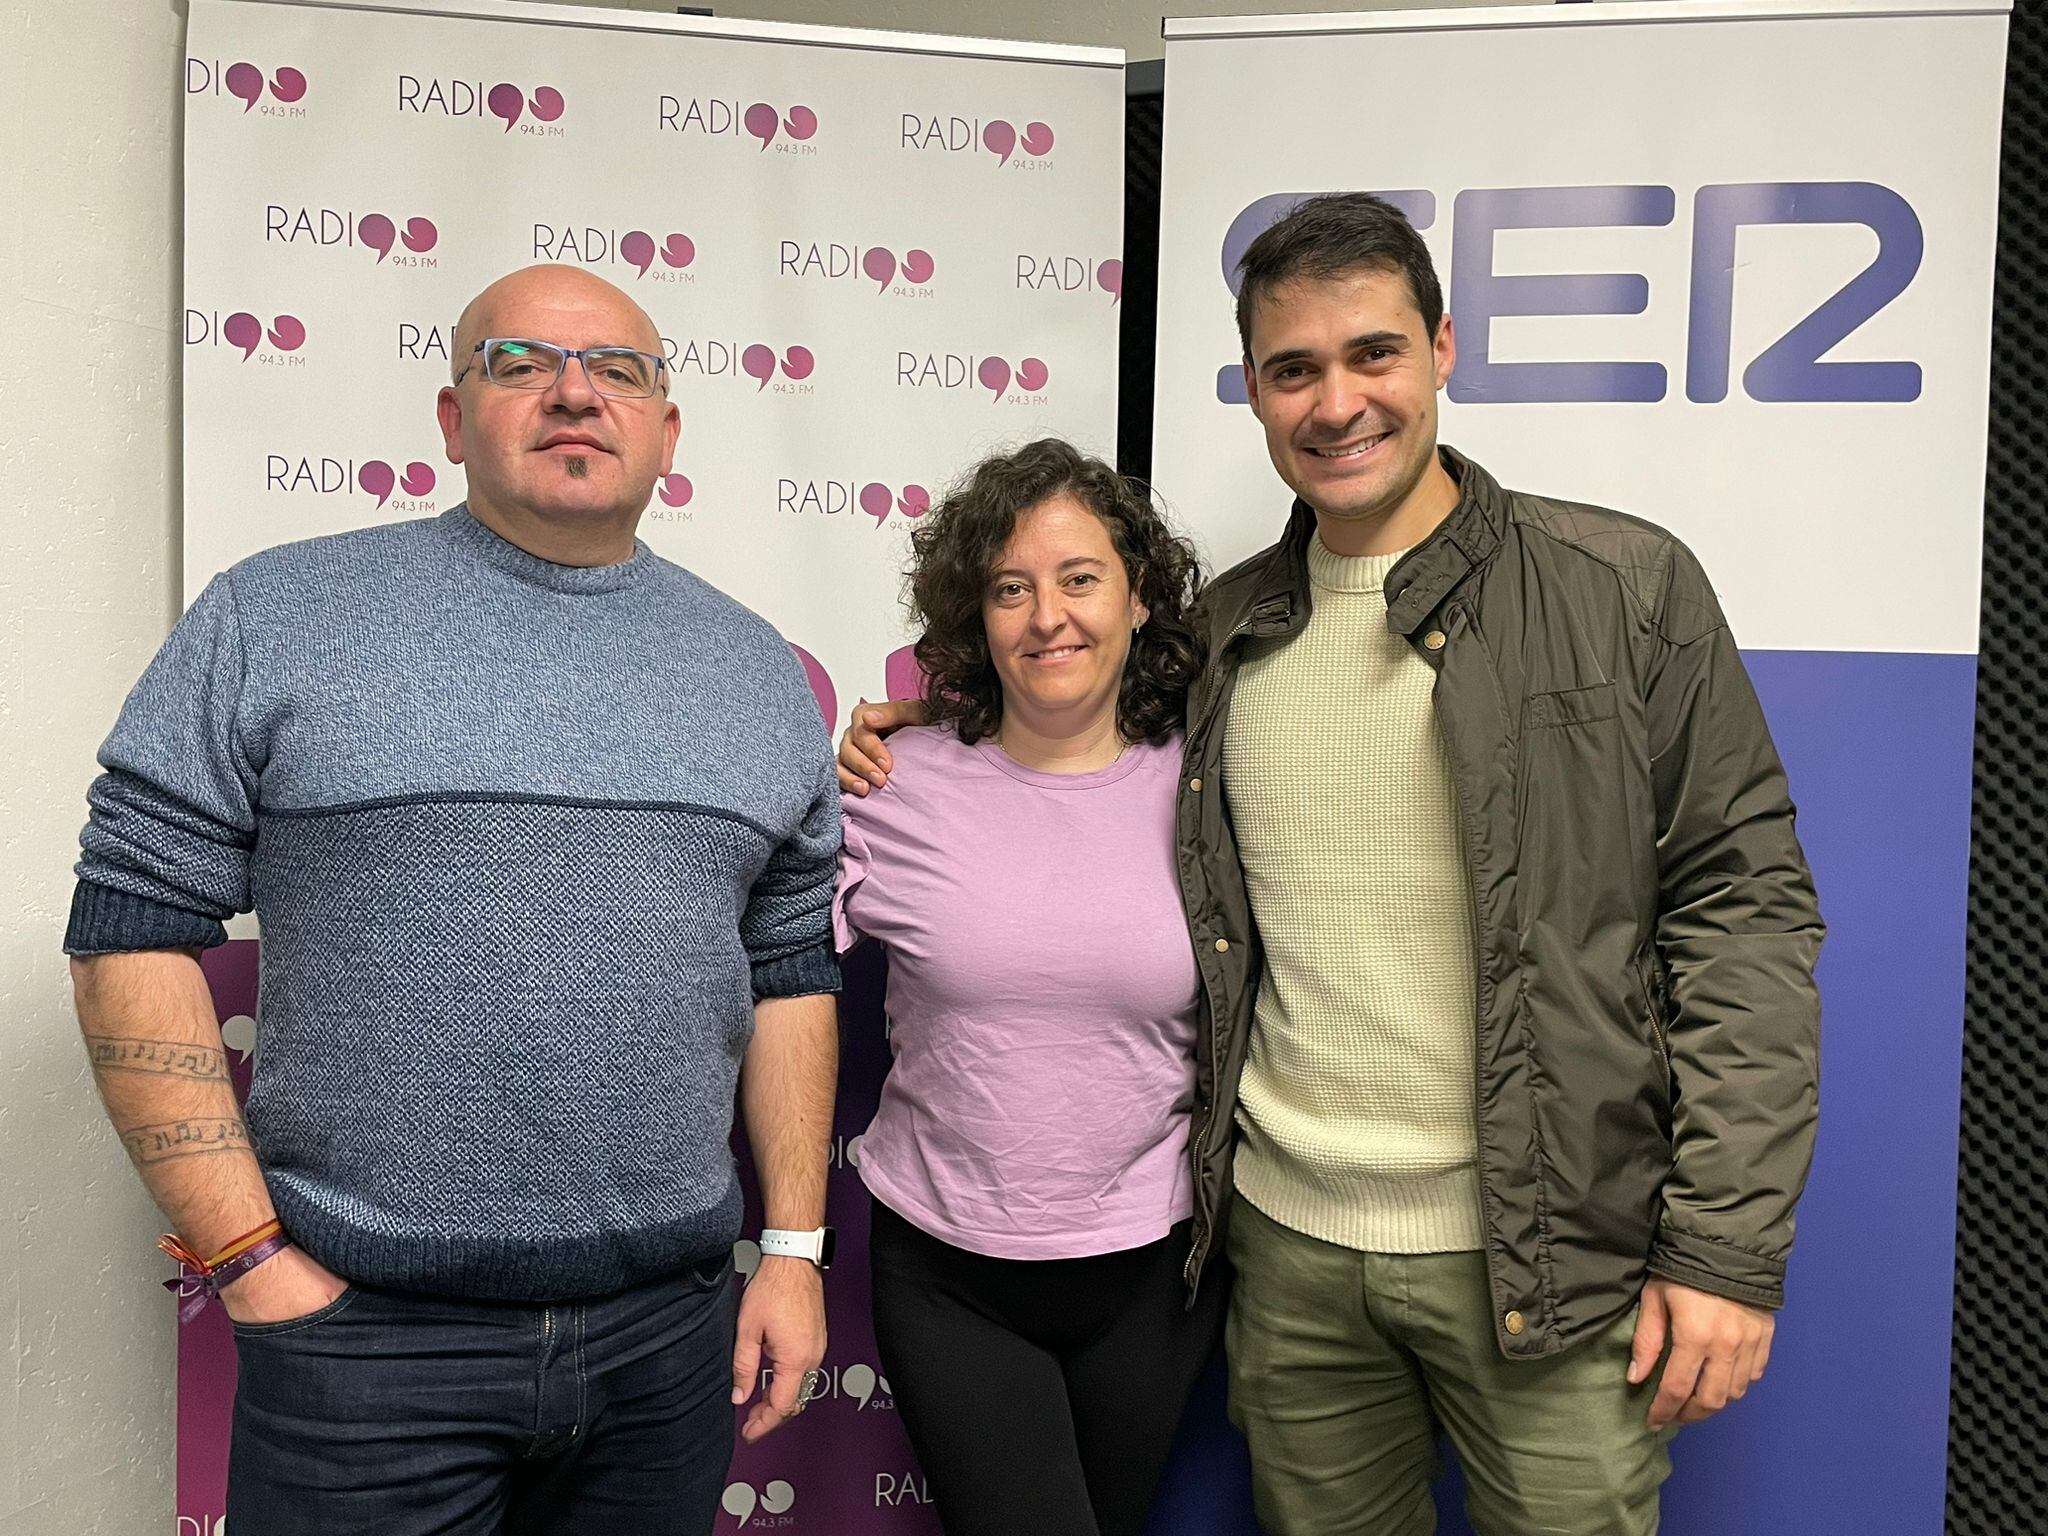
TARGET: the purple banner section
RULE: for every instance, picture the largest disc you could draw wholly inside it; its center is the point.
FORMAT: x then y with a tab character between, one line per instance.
206	1345
1849	1430
845	1465
1879	752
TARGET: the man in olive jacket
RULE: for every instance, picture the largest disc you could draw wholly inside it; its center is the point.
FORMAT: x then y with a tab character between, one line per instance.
1508	946
1508	1075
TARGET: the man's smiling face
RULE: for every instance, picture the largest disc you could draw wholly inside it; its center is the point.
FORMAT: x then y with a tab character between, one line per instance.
1343	375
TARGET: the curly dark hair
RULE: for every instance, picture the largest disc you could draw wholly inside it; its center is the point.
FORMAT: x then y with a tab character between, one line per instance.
954	550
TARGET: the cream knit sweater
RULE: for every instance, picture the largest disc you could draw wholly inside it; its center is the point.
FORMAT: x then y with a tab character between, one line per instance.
1357	1098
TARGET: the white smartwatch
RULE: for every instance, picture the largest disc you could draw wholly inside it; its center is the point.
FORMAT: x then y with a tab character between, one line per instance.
815	1245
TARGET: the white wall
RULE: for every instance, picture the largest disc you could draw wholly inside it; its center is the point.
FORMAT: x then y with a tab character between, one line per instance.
1132	25
89	517
88	476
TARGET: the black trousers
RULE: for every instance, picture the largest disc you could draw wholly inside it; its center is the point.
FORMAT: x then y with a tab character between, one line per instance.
1041	1395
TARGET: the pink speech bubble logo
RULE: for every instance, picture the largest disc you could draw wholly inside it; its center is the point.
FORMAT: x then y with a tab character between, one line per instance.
287	333
904	679
801	123
1037	140
1110	278
678	250
547	103
999	138
243	330
287	85
420	235
636	249
506	102
994	374
761	121
880	265
378	233
418	479
758	363
878	501
675	490
821	686
377	478
245	84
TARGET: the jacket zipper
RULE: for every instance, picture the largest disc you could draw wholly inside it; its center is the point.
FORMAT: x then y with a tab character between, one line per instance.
1646	978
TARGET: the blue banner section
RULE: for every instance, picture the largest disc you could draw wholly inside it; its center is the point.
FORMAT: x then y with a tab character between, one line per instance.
1848	1430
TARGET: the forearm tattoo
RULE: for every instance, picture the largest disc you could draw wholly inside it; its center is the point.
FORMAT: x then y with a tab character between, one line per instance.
184	1138
160	1058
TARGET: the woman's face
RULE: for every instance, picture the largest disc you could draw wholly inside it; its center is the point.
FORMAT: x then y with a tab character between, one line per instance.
1059	612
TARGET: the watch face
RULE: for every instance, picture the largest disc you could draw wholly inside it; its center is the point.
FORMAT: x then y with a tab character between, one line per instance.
827	1241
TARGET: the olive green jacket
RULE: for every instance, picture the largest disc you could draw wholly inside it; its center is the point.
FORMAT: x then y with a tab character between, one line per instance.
1647	1029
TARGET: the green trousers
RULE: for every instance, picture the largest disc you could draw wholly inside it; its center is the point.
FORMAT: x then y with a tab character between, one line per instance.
1344	1366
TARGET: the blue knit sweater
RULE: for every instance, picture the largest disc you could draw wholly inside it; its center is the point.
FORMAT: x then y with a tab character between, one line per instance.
527	841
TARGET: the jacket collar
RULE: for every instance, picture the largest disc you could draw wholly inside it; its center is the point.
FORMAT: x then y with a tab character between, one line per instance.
1462	543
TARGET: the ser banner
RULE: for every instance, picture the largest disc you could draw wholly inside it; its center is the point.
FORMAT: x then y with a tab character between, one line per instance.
1727	267
872	257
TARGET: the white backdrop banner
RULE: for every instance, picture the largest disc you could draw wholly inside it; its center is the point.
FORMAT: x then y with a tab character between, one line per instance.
1726	266
1718	264
873	258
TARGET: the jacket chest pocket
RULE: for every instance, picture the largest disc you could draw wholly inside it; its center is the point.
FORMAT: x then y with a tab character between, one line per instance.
1568	707
1573	856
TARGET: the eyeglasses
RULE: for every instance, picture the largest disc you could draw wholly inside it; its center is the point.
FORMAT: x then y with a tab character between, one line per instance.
516	362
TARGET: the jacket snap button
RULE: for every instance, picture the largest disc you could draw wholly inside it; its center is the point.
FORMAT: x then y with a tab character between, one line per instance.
1513	1321
1195	785
1434	640
1223	946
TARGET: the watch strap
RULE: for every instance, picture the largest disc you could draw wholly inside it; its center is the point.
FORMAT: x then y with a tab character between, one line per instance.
815	1245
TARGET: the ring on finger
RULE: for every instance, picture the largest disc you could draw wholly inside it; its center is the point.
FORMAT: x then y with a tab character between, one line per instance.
812	1384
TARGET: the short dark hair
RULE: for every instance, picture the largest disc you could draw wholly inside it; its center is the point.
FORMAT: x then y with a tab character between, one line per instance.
1329	236
954	551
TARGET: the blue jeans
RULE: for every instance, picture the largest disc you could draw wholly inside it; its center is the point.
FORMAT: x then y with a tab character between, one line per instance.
407	1415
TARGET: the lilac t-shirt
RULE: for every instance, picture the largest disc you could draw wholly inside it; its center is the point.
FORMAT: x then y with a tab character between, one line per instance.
1041	1000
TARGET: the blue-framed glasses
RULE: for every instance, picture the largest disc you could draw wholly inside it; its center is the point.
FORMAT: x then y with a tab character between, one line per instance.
518	362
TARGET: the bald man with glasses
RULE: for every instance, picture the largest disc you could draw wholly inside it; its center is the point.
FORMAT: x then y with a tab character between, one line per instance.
521	951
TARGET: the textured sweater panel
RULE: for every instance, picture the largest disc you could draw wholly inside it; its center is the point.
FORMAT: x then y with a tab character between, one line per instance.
1357	1097
527	841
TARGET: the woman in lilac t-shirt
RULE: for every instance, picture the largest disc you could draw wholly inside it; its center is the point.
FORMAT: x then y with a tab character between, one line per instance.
1029	1158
